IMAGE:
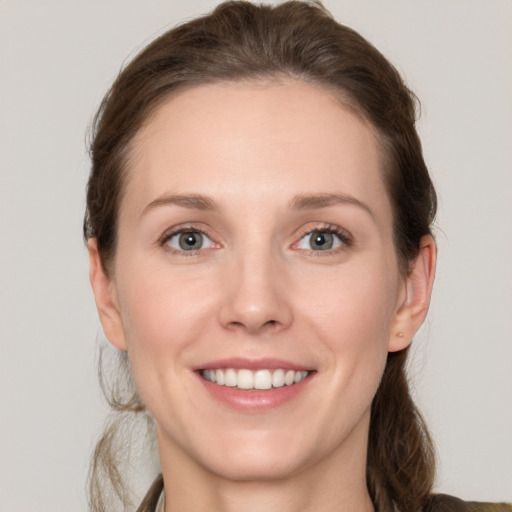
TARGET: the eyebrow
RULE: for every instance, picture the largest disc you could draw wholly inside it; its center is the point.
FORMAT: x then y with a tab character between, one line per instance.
316	201
191	202
299	202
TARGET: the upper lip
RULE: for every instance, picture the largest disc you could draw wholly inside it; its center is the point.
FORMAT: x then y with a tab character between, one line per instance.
252	364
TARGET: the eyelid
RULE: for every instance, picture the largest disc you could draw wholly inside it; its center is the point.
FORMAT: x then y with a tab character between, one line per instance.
343	235
184	228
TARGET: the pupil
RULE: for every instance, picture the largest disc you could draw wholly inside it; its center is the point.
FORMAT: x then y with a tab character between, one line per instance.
190	241
322	241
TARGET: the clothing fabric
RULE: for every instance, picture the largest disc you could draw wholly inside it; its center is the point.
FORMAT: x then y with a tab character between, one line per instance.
445	503
150	501
436	503
160	506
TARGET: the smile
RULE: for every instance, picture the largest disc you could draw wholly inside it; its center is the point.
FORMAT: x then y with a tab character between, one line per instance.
249	379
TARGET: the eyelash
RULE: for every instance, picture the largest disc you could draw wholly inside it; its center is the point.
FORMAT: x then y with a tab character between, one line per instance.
344	237
168	235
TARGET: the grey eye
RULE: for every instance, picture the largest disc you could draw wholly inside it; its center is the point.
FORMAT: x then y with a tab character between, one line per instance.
189	241
319	241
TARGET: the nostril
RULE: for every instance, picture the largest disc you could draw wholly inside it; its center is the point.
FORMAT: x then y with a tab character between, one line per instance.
268	326
271	325
254	312
235	325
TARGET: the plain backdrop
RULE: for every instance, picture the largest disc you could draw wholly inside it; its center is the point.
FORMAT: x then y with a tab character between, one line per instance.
57	58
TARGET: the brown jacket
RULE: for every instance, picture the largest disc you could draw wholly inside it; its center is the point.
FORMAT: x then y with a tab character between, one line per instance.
437	502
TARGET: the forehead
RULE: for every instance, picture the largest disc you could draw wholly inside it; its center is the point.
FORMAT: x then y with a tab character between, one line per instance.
238	140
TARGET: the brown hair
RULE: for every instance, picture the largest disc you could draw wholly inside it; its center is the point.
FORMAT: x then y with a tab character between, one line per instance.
299	40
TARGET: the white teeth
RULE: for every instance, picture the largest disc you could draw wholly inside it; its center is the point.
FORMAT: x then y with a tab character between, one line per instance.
230	378
260	379
278	378
299	376
289	377
245	379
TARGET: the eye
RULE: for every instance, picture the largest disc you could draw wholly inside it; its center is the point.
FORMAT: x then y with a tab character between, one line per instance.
189	240
321	240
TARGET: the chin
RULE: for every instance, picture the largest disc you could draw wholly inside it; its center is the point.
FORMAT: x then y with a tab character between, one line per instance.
243	467
249	455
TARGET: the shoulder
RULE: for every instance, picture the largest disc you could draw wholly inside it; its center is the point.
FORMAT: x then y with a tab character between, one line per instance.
436	503
445	503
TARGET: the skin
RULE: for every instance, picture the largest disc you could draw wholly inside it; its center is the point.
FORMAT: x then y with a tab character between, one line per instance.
258	289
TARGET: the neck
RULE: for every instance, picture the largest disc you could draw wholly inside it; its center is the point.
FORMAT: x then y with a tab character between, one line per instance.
335	483
282	496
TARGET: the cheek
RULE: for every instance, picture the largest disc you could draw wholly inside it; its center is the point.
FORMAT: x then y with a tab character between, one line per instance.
163	316
353	317
349	317
157	308
354	306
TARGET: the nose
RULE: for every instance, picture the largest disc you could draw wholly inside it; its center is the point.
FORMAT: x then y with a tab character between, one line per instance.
255	299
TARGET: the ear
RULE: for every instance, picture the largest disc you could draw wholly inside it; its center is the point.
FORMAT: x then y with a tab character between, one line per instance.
106	298
415	297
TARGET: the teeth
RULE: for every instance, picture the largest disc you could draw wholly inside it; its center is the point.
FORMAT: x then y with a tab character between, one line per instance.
245	380
260	379
230	378
278	378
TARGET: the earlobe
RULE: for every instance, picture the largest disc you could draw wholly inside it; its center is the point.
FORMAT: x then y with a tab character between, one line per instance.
105	297
415	301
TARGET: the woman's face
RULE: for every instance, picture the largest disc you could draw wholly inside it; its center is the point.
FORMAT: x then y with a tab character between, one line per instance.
255	249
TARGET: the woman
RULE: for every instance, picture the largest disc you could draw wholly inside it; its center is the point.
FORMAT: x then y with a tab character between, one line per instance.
259	228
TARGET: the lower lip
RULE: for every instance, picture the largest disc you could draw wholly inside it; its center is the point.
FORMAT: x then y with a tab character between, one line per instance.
254	400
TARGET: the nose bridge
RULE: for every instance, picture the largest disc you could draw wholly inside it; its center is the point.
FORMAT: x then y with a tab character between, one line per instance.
256	298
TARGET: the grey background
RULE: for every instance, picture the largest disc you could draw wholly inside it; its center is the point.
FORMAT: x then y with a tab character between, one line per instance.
57	58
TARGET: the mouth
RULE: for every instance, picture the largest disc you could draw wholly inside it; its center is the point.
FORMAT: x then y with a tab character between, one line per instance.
260	379
254	386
